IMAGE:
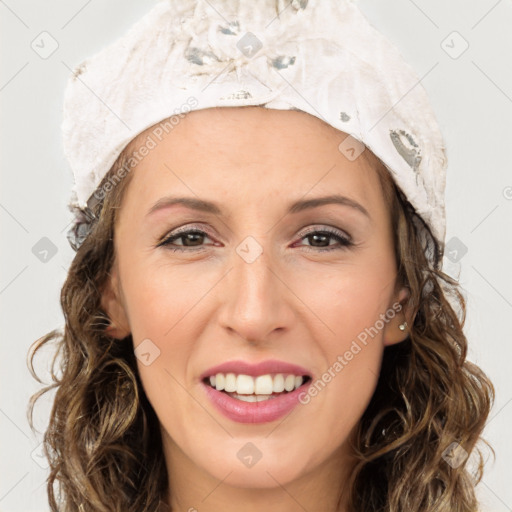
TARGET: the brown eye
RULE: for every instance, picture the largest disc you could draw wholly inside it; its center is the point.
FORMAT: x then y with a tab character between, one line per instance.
319	240
190	238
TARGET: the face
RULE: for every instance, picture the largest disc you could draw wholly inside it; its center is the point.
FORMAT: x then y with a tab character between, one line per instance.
253	279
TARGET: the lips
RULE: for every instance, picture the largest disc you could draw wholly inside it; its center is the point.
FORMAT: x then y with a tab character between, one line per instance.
254	412
265	404
269	366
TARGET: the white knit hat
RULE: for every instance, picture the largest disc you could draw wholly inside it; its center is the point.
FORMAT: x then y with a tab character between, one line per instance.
319	56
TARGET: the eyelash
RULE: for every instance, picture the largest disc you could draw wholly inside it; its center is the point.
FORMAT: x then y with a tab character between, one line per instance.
342	240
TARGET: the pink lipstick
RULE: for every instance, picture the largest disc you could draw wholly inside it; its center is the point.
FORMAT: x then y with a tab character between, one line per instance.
255	393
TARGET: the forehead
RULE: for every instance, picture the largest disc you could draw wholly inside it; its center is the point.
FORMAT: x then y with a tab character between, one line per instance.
231	153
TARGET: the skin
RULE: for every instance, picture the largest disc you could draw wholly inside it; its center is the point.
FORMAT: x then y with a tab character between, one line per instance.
293	303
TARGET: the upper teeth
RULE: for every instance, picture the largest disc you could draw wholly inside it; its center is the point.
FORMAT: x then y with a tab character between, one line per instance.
261	385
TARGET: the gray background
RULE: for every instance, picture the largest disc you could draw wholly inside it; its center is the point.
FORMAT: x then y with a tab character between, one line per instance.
471	93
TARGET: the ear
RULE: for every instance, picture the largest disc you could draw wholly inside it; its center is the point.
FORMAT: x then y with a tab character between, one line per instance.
393	333
112	305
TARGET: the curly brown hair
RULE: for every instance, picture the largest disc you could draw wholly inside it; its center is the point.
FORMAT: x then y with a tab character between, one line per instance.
103	441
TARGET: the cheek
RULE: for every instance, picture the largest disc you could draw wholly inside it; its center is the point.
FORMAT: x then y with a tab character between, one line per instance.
344	308
160	304
347	302
350	305
159	298
163	306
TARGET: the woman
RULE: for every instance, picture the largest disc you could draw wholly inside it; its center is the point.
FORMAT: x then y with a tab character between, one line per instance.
256	315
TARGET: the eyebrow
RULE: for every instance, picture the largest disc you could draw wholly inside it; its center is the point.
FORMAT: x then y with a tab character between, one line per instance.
296	207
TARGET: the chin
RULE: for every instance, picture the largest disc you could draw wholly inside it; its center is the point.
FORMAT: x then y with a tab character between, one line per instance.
257	462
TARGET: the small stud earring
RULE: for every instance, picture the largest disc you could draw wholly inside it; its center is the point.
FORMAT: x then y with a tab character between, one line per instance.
403	326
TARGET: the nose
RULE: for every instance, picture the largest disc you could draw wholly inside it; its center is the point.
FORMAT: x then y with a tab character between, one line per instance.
257	303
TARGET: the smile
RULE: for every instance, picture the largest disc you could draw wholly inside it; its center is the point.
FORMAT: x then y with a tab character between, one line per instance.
255	392
255	389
